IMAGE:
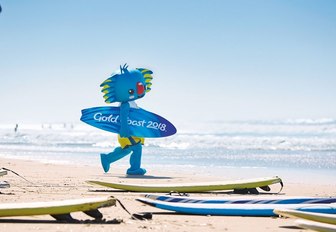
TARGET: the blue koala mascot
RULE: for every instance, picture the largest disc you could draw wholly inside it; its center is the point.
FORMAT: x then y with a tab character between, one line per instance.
126	87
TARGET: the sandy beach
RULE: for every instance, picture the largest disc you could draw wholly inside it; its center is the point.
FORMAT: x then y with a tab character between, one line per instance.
219	90
50	182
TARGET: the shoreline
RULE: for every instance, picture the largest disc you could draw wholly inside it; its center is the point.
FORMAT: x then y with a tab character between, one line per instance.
51	182
290	175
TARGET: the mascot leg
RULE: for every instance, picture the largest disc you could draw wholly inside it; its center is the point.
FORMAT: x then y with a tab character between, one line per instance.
135	161
117	154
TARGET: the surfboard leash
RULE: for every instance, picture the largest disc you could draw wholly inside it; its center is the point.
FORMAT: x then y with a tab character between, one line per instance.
136	216
282	185
17	174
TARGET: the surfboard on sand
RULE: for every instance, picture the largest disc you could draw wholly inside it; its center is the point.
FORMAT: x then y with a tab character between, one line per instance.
316	226
318	217
192	187
235	209
250	199
60	210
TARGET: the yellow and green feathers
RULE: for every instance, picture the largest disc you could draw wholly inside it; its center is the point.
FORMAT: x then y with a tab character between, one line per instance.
147	74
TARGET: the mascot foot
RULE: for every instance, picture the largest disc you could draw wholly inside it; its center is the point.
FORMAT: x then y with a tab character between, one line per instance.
117	154
140	171
105	161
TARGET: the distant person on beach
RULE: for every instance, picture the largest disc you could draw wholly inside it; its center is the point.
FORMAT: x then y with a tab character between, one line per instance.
16	128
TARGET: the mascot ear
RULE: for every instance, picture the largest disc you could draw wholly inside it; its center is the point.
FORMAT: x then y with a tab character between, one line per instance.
109	85
147	74
108	89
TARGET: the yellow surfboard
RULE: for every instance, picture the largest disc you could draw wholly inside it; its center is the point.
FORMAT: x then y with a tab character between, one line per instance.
54	208
318	217
192	187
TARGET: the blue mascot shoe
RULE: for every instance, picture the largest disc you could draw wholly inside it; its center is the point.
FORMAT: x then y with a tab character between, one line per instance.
117	154
139	171
135	161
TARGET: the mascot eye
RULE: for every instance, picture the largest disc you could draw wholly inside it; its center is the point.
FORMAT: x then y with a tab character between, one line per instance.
131	91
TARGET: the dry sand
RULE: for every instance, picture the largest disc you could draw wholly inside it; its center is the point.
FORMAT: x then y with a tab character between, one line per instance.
57	182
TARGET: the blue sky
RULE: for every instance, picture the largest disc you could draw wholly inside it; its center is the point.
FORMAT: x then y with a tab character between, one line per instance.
212	60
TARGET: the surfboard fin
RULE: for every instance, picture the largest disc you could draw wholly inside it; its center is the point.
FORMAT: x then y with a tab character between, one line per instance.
64	218
94	213
246	191
68	218
265	188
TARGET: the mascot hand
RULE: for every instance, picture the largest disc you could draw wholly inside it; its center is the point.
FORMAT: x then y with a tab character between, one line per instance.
124	132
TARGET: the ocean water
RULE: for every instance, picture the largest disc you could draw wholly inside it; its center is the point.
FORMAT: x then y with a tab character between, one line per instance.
297	149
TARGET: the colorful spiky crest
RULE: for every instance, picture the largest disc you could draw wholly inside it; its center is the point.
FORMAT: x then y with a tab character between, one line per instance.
147	74
109	85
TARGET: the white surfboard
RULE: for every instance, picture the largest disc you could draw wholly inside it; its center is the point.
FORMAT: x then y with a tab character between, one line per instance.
246	199
316	226
235	209
318	217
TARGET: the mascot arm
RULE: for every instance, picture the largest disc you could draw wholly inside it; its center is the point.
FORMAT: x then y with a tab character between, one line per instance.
124	112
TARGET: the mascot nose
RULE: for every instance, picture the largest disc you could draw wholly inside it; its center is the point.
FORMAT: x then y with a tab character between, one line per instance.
140	88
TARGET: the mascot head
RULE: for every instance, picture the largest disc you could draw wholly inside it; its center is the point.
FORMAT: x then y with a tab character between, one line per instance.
128	85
